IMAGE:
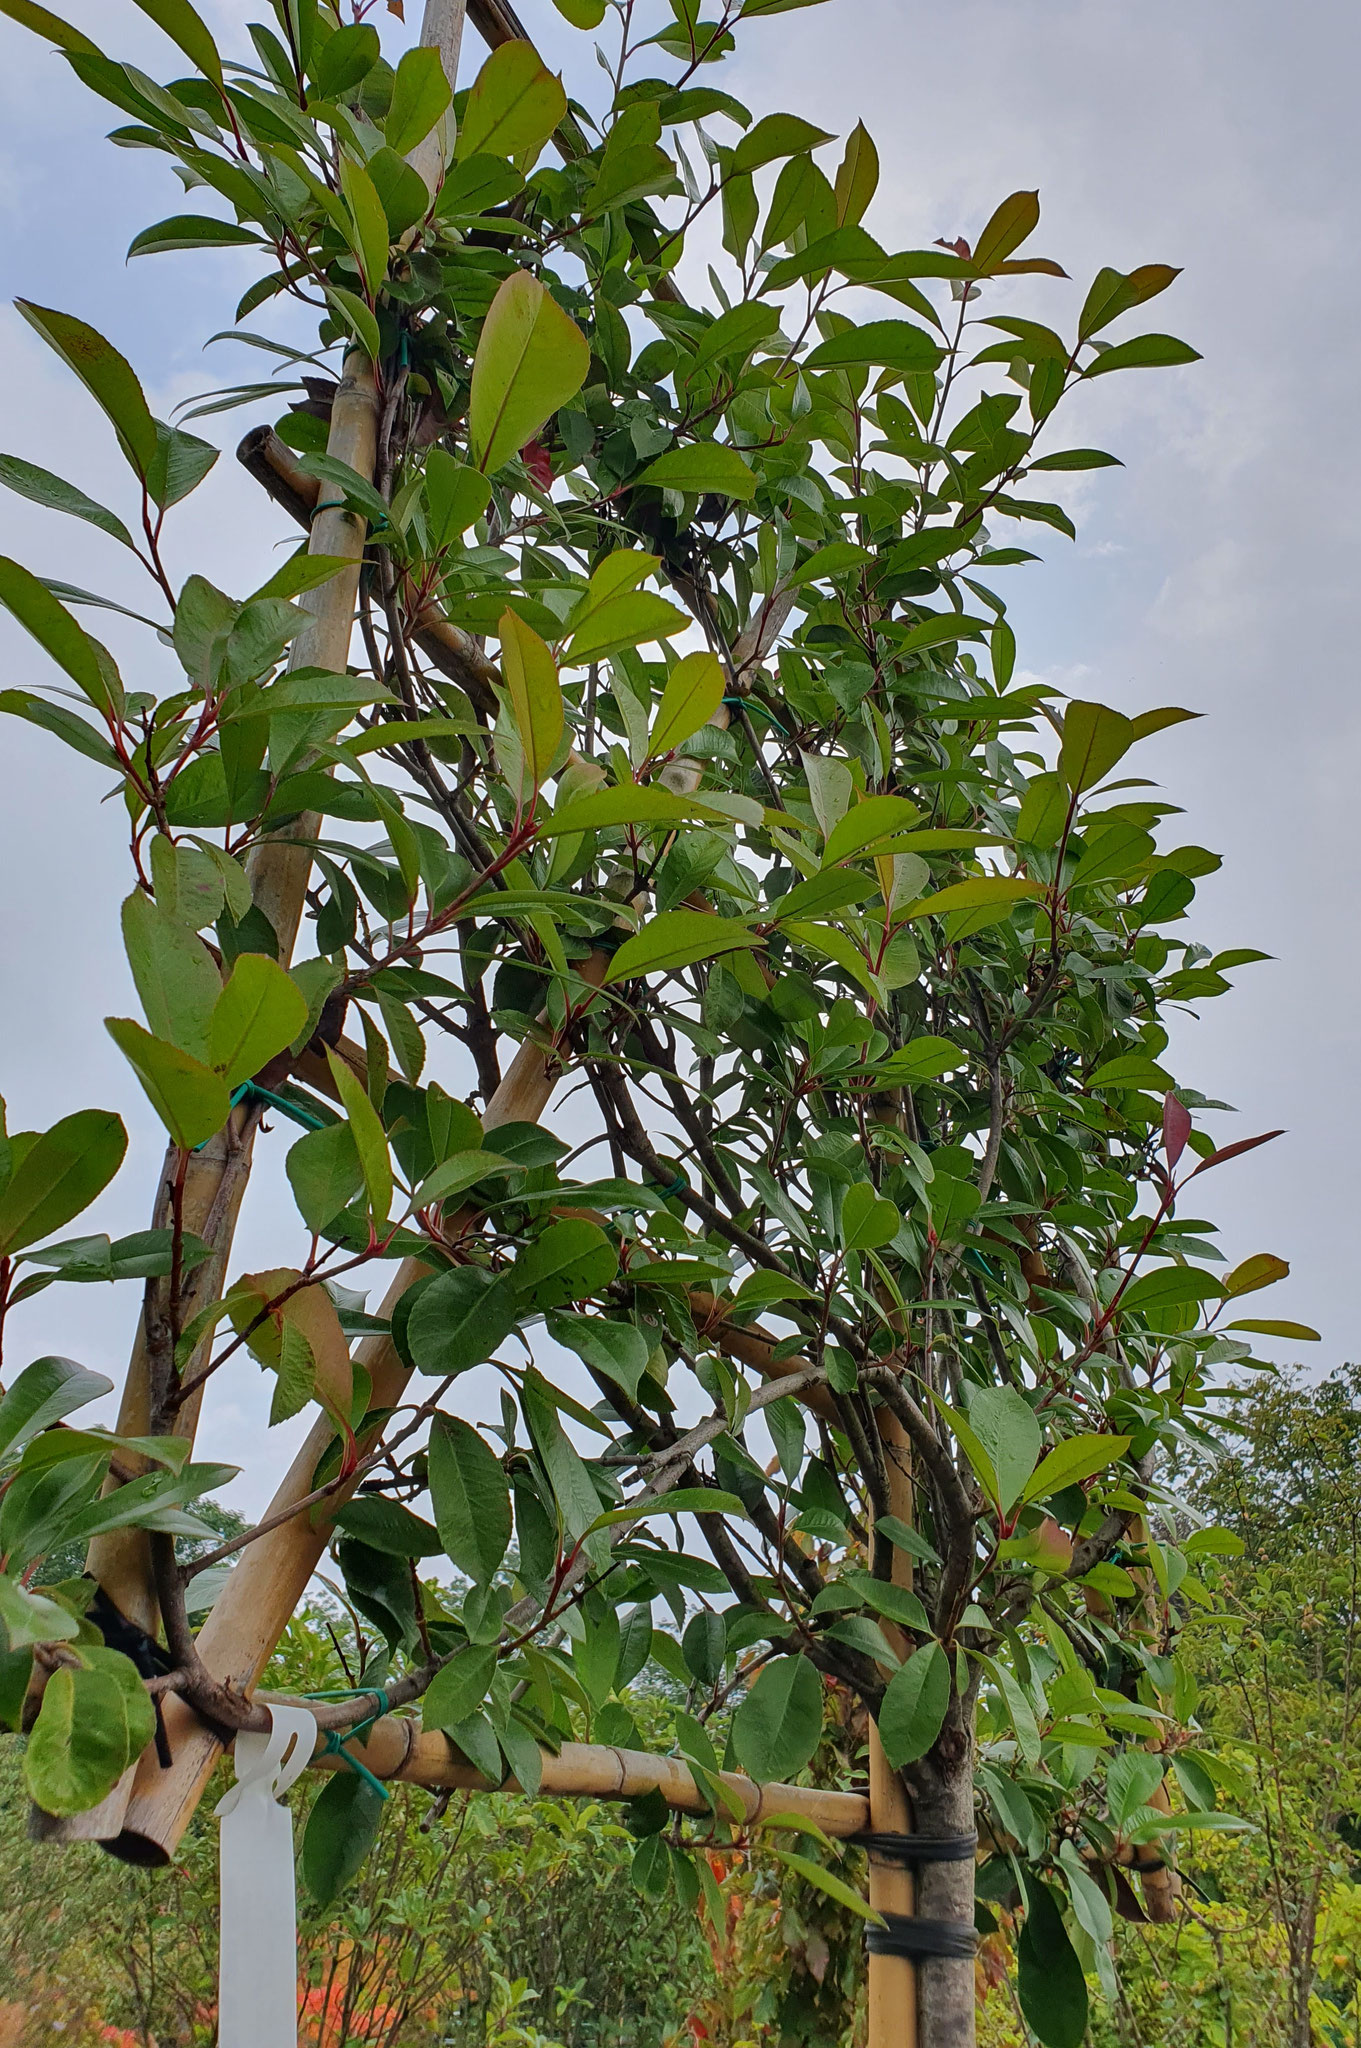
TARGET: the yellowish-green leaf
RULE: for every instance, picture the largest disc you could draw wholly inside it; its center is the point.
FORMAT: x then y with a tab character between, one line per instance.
531	358
675	939
514	106
693	693
531	679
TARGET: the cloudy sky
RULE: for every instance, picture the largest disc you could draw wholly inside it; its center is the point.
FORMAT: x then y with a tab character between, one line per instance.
1212	571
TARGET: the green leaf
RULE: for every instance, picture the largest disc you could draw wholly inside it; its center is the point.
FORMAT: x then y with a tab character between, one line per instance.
1171	1287
1049	1980
42	1394
108	378
50	26
779	1723
531	358
1113	293
892	344
776	136
681	1500
91	1725
578	1502
371	234
531	679
345	57
824	1880
568	1262
857	176
1094	739
60	1174
358	318
420	95
872	819
53	627
460	1688
630	803
189	1098
455	495
76	732
1077	458
259	1012
323	1171
471	1499
53	491
702	466
867	1220
1006	1425
627	619
174	974
619	1350
915	1704
675	938
514	106
1077	1457
459	1320
582	13
1143	352
190	231
27	1619
370	1140
341	1829
923	1059
187	28
694	691
1263	1326
986	892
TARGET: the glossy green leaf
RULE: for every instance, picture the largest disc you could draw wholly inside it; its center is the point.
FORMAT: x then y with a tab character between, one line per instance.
776	136
915	1705
108	378
531	679
187	28
460	1320
531	358
50	26
703	466
92	1723
43	1394
779	1722
39	485
1049	1978
174	974
53	627
675	938
260	1011
59	1175
341	1829
693	693
471	1499
1076	1458
420	95
514	106
887	344
370	1140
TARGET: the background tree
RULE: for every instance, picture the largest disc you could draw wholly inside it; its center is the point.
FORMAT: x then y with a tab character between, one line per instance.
860	950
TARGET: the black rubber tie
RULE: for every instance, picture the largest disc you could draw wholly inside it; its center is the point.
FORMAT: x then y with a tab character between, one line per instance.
905	1935
914	1849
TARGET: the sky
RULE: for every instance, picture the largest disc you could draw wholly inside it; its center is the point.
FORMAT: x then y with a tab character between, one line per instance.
1214	570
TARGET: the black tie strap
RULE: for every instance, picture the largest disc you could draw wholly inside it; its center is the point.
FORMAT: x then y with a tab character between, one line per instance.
914	1849
905	1935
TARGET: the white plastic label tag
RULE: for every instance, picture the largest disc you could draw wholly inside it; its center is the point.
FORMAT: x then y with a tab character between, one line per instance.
258	1956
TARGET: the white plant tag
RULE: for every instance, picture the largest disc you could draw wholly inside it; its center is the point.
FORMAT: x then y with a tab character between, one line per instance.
258	1956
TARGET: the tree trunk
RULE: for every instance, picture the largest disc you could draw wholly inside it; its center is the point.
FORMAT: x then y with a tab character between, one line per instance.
943	1797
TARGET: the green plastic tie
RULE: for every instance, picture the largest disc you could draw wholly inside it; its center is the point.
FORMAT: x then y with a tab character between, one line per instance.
755	704
335	1740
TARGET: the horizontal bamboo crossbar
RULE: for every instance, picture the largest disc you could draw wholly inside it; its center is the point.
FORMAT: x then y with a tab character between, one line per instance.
396	1748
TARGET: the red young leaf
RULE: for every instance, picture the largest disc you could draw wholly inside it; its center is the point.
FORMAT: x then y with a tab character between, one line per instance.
1176	1127
960	246
1232	1151
537	461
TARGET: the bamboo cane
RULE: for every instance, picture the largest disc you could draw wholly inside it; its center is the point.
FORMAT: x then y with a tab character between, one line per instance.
217	1176
892	1888
395	1749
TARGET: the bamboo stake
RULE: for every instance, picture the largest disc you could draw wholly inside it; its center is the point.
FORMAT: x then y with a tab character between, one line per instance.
278	872
892	1887
396	1749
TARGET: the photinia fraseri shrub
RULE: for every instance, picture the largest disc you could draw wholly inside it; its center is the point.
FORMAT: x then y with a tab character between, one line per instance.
858	951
